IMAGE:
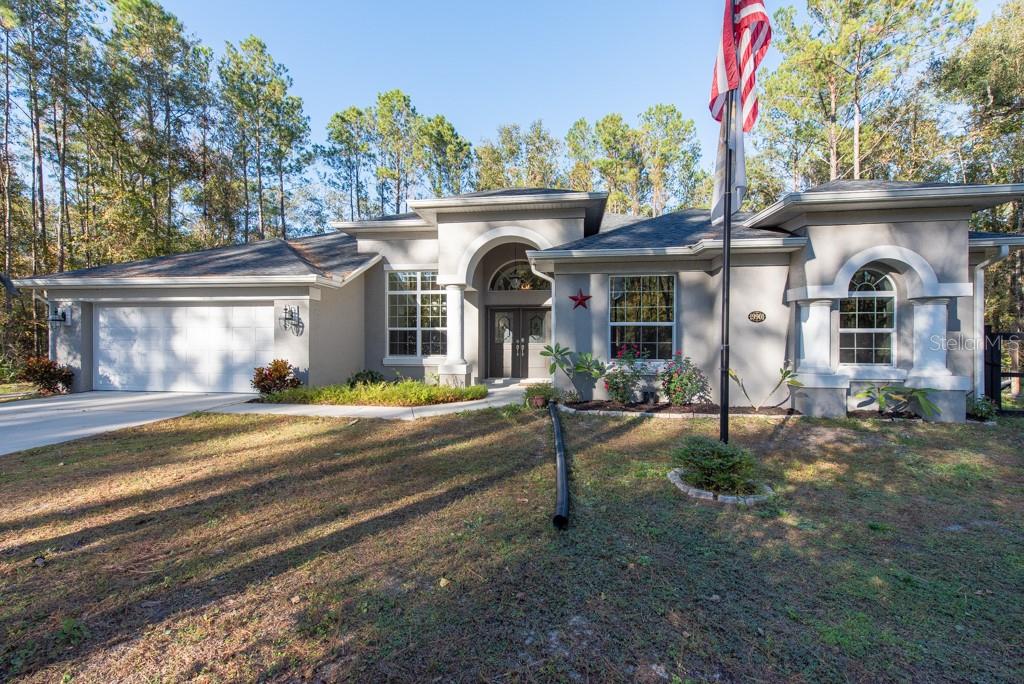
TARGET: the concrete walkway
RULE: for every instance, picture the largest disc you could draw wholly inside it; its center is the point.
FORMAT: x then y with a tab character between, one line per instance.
498	394
38	422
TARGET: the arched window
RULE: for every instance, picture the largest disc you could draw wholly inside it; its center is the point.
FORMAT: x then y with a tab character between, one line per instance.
515	276
867	320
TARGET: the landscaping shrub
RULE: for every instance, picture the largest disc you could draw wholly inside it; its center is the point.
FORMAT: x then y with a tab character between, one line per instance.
541	389
716	467
981	408
572	363
49	376
892	400
277	376
9	371
623	378
682	382
402	393
364	377
787	377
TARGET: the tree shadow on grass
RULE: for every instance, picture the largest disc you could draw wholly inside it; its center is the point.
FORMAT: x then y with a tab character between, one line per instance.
391	497
706	592
645	583
291	456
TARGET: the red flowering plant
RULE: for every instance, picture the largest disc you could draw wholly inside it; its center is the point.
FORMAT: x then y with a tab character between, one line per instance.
49	376
683	382
624	375
276	376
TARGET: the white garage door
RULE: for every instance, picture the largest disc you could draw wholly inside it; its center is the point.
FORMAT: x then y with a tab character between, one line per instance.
212	348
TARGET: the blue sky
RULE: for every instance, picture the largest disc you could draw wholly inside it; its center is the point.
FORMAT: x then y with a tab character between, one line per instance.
483	63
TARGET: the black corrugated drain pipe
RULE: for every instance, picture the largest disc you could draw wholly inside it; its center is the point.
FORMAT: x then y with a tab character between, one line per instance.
561	517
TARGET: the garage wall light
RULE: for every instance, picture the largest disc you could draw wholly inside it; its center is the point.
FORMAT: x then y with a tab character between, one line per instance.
290	319
59	314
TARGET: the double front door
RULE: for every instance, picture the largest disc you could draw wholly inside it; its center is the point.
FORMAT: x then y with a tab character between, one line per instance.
516	336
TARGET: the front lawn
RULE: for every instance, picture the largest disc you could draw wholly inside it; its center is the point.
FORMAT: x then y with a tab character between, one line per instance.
15	391
232	548
402	393
16	387
1012	402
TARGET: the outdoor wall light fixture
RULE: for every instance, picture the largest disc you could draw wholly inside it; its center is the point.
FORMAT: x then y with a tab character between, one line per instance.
59	315
516	279
290	319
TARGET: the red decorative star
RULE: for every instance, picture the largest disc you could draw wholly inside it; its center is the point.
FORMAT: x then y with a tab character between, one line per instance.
579	300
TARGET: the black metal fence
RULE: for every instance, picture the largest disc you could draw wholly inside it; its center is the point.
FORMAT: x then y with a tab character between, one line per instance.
994	373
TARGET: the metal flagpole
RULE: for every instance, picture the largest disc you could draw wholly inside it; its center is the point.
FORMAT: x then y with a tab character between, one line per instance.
723	417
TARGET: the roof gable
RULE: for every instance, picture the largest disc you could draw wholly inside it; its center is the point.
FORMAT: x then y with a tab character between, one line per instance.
675	229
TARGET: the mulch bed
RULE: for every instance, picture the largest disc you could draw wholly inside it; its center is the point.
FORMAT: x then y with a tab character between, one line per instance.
685	408
902	415
867	413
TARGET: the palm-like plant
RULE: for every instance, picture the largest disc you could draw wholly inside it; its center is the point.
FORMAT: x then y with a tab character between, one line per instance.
572	364
787	377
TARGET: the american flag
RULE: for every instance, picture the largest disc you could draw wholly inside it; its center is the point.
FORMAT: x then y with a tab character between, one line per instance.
747	28
746	34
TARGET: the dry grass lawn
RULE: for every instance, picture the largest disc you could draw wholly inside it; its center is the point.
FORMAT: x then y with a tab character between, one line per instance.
235	548
16	391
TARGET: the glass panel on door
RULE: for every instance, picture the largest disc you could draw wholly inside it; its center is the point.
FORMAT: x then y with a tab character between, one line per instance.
538	328
517	336
502	344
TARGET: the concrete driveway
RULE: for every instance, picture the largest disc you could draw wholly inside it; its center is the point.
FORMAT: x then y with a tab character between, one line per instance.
38	422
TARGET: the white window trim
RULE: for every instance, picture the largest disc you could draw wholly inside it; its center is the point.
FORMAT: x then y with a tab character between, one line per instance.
866	369
414	360
418	359
494	274
650	363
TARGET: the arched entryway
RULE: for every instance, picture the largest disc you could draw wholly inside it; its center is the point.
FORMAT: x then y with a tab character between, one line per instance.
514	309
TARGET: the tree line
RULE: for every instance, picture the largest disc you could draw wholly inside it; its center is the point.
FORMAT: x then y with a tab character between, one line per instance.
900	90
125	137
382	154
132	141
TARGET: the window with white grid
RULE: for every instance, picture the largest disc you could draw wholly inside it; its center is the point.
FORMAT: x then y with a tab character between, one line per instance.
417	314
867	320
642	314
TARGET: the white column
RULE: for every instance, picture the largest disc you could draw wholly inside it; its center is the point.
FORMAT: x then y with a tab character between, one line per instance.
930	337
815	345
456	325
979	331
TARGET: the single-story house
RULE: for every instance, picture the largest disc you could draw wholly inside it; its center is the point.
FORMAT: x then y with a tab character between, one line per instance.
853	282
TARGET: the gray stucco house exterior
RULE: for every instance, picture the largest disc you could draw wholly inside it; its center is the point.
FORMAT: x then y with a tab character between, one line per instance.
853	282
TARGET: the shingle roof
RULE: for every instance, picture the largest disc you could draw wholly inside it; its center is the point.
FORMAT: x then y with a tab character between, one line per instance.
392	217
511	192
333	254
863	184
985	235
679	228
501	192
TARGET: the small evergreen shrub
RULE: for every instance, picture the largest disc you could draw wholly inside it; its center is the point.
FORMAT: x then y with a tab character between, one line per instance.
277	376
49	376
406	392
682	382
716	467
981	408
622	379
364	377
